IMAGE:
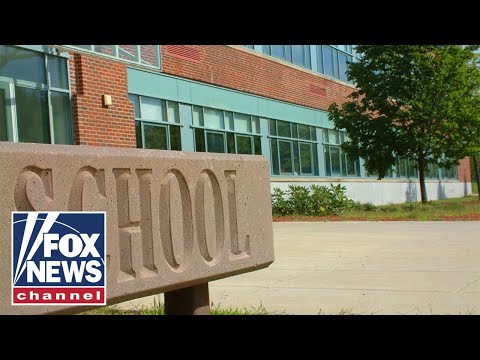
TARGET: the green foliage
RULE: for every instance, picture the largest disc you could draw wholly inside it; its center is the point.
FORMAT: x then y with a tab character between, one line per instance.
316	200
412	101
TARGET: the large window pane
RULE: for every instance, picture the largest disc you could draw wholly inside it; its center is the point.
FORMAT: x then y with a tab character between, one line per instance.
3	117
136	104
315	160
244	144
334	137
104	49
22	64
149	55
272	126
231	143
285	149
342	66
353	166
278	51
335	159
266	49
274	154
32	115
62	123
328	61
172	112
412	171
175	139
199	140
320	59
255	125
313	133
284	129
298	55
328	168
197	116
306	158
128	52
242	122
152	109
215	142
213	118
138	134
296	159
308	63
57	67
155	137
228	116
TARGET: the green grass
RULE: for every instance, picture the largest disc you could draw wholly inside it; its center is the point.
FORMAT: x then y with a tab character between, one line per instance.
467	208
474	188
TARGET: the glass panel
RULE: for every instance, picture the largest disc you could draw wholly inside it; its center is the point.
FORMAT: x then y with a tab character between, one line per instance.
249	46
155	137
136	104
296	159
86	47
401	168
274	152
342	66
172	112
197	116
128	52
285	148
304	132
57	67
258	145
22	64
334	137
288	53
342	47
149	55
215	142
231	143
138	134
199	140
325	136
278	51
335	158
266	49
308	63
62	123
328	60
3	117
313	133
213	118
175	139
255	125
328	169
294	131
105	49
335	63
306	158
32	115
353	167
242	122
244	145
229	120
298	55
315	160
152	109
273	127
284	129
412	171
320	59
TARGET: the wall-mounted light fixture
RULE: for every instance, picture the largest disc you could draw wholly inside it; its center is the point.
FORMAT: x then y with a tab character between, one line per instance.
107	100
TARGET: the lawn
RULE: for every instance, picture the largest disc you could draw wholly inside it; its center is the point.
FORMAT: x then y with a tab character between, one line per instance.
467	208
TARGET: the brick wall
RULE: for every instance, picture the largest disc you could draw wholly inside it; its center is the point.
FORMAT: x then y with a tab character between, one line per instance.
228	67
94	123
464	173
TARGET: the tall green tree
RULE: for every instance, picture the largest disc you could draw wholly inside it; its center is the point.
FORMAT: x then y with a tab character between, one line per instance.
412	101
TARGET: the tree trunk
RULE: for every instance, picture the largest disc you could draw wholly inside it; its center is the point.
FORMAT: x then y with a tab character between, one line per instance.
421	174
477	174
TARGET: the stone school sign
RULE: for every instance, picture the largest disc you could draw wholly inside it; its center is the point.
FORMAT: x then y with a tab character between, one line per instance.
174	220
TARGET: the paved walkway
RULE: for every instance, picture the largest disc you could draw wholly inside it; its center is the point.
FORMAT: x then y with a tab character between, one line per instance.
364	268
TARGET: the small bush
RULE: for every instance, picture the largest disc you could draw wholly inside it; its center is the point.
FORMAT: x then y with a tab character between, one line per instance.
316	200
408	206
368	207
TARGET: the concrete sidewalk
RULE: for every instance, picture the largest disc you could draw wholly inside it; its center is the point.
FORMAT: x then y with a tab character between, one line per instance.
364	268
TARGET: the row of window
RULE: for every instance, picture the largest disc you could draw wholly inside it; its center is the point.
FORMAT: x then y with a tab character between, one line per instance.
332	60
34	97
148	55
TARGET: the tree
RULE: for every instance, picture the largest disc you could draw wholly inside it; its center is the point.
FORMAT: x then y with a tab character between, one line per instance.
412	101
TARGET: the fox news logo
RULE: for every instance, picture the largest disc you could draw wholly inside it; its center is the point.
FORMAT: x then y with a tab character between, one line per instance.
58	258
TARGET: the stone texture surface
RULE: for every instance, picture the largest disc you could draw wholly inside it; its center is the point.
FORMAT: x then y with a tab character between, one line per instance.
174	219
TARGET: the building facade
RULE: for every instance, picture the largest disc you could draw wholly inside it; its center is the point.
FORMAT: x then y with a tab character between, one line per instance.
245	99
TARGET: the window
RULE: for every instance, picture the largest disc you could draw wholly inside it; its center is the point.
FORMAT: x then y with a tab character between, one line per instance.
406	168
34	97
223	131
293	149
295	54
337	162
148	55
332	60
449	173
157	123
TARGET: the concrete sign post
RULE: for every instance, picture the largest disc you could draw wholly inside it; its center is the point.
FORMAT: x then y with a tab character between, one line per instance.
174	220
